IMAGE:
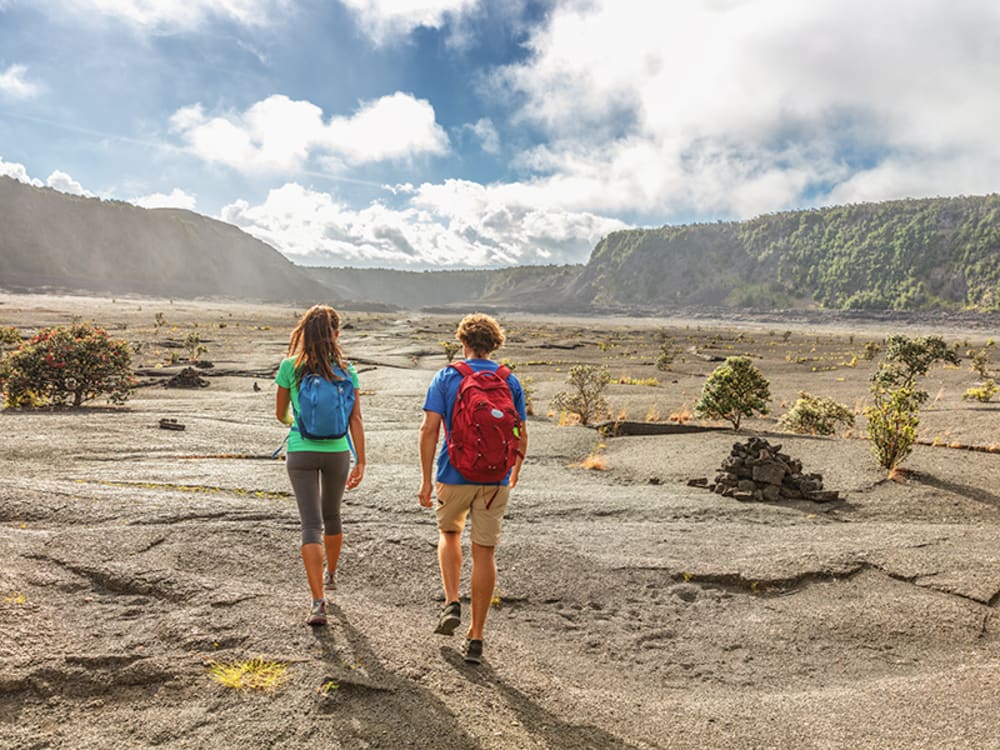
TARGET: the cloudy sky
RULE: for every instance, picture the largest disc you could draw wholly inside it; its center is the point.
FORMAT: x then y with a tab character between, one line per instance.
448	133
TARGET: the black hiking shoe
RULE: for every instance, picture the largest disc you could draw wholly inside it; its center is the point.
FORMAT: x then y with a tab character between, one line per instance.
474	651
451	618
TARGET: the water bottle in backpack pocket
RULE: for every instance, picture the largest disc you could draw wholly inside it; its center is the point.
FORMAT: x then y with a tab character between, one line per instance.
324	406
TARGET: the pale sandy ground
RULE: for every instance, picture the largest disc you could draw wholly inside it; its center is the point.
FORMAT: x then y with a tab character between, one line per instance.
634	611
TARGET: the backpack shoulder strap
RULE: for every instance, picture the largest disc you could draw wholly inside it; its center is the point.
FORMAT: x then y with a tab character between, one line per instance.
503	372
463	368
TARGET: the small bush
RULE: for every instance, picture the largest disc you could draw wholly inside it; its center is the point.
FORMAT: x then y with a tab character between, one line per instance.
980	363
894	415
816	415
67	365
871	350
587	399
734	390
528	386
9	336
192	342
450	349
892	424
665	357
983	393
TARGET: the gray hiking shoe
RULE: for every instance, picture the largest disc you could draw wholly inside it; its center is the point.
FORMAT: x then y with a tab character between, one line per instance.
474	651
317	615
451	618
330	580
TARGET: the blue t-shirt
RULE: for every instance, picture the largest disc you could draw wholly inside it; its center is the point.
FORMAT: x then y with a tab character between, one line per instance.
441	400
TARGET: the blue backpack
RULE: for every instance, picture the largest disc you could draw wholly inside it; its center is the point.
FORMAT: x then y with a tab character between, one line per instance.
324	406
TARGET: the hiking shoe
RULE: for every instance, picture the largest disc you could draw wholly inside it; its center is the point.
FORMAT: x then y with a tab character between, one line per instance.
330	580
474	651
317	615
451	618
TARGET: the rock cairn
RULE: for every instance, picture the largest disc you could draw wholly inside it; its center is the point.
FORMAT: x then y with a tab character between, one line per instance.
757	470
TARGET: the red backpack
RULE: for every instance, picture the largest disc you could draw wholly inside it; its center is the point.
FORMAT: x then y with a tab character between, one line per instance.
485	436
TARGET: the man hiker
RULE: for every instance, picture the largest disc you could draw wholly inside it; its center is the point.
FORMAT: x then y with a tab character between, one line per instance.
481	405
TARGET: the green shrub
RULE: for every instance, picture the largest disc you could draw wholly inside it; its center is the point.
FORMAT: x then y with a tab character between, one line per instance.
9	336
587	399
892	424
983	393
192	342
816	415
980	363
895	415
67	365
450	349
907	359
871	350
734	390
665	357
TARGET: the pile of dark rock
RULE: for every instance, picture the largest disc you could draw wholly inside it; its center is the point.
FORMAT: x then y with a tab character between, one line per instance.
186	378
757	470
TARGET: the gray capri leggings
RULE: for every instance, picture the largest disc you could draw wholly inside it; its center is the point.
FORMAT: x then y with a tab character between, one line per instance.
318	480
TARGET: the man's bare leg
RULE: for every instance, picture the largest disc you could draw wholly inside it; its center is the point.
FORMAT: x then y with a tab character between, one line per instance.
450	560
484	579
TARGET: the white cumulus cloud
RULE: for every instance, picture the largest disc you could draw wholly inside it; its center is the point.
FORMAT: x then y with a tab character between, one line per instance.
18	172
179	14
14	85
64	183
282	134
457	223
486	133
176	198
736	108
384	19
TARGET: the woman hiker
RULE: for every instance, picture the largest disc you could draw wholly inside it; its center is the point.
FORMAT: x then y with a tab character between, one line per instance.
319	455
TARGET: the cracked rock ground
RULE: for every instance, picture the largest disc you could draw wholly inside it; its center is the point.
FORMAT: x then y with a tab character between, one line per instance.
633	611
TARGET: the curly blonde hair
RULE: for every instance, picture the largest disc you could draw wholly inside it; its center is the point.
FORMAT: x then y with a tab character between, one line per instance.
481	333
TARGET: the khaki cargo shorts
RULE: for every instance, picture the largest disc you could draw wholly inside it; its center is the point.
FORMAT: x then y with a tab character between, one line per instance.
456	501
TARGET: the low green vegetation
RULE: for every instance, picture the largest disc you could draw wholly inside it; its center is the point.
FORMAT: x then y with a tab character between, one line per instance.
982	393
586	399
894	416
816	415
67	366
734	390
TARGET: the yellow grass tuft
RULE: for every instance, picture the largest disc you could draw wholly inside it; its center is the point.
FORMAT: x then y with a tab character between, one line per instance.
653	415
622	415
16	599
566	419
682	416
897	474
255	674
594	462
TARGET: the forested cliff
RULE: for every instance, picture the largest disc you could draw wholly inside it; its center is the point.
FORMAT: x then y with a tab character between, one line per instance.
941	253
